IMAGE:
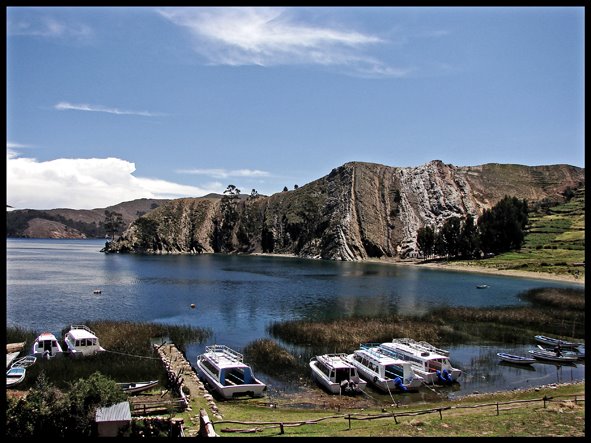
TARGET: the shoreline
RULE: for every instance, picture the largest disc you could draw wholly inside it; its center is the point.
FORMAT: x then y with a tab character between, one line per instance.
455	267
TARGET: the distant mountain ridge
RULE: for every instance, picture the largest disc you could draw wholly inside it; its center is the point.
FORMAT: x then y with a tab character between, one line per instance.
359	210
73	223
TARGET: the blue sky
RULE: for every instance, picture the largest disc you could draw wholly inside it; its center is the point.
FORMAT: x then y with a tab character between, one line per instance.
106	105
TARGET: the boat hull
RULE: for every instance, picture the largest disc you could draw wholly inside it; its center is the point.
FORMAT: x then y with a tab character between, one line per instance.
14	376
554	342
516	359
551	356
334	387
228	392
139	386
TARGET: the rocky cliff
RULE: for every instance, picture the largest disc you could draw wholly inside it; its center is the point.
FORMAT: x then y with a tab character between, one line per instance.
358	211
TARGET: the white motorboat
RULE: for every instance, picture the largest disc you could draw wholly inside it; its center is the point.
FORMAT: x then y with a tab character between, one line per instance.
224	371
46	346
14	376
81	341
384	372
433	366
336	374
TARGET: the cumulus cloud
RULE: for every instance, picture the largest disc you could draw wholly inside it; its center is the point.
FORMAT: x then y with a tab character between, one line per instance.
65	106
273	36
224	173
85	183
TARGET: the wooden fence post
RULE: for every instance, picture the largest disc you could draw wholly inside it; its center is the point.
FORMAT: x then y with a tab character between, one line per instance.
440	415
544	402
497	408
349	421
281	427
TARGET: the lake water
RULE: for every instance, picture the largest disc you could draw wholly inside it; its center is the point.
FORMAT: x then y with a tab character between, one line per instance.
50	285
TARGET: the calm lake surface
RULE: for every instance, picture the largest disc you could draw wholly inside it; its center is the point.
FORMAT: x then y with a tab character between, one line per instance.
50	285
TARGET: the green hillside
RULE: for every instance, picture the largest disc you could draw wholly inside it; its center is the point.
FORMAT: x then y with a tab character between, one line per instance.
554	241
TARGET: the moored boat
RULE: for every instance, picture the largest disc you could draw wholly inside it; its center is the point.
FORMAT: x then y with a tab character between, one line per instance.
552	356
14	376
517	359
336	374
550	341
226	373
383	371
11	357
137	386
25	362
431	365
81	341
46	346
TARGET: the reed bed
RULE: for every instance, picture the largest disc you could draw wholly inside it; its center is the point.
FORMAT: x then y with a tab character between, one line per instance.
559	312
129	355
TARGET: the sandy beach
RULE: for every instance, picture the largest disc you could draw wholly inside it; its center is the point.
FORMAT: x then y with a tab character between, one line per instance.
462	267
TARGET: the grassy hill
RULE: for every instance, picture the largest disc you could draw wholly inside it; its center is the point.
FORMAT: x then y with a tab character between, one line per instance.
554	241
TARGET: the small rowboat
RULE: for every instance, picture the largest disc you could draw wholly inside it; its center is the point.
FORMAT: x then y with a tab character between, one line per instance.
550	341
25	362
138	386
510	358
14	376
482	286
551	356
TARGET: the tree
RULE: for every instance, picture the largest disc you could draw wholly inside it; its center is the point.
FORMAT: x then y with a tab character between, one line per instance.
450	235
502	226
426	240
469	238
285	189
113	223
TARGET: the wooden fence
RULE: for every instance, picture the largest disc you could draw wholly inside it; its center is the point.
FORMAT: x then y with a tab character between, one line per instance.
499	406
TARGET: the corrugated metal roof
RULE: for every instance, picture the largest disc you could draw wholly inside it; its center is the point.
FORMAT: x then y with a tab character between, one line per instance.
117	412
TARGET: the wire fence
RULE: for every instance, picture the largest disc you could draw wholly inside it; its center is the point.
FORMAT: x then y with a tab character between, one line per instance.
254	426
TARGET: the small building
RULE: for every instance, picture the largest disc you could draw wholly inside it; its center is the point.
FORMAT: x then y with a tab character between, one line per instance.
110	420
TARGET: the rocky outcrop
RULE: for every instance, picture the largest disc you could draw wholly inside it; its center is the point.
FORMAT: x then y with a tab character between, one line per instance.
41	228
358	211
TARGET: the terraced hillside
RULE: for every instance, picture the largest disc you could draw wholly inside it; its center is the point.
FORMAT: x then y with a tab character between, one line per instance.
554	243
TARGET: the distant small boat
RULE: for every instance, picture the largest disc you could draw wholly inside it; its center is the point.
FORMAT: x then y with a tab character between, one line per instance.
515	358
137	386
97	291
482	286
14	376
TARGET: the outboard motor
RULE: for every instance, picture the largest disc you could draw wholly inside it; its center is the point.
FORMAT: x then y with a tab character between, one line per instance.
447	376
399	385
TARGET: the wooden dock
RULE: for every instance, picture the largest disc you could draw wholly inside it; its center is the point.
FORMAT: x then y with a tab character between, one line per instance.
183	375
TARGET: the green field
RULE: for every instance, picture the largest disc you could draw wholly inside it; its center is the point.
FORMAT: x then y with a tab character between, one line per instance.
554	242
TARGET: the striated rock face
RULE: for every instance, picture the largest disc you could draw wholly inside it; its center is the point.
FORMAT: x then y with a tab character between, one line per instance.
358	211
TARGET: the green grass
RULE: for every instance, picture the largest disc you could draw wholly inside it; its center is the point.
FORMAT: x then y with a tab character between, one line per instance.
554	242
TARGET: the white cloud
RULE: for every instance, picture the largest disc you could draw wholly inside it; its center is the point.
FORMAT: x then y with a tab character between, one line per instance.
85	183
44	26
272	36
223	173
65	106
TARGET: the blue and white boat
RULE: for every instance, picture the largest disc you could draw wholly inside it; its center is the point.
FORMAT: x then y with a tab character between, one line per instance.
383	371
550	341
517	359
430	364
14	376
